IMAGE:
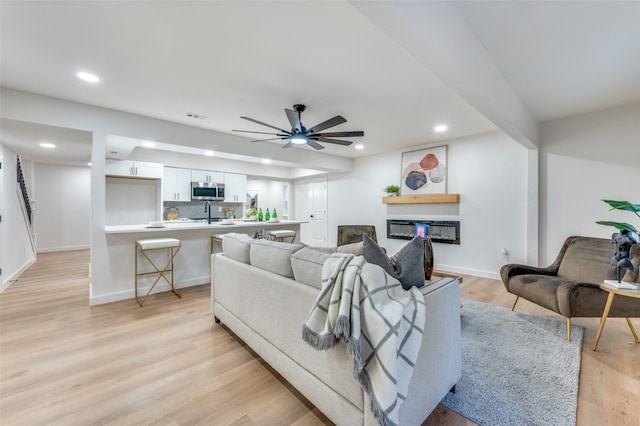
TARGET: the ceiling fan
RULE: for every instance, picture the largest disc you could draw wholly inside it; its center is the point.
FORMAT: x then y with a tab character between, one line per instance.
300	135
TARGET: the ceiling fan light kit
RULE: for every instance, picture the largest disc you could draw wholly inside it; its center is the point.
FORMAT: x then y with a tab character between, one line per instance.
300	135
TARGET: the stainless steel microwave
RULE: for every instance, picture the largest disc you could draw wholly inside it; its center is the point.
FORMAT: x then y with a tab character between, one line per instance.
207	191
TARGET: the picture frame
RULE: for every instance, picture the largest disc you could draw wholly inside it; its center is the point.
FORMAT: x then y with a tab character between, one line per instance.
424	171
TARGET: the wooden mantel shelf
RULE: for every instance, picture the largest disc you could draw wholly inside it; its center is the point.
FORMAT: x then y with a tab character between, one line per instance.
422	199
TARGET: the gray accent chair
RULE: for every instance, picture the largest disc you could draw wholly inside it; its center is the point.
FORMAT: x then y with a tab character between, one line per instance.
349	234
570	286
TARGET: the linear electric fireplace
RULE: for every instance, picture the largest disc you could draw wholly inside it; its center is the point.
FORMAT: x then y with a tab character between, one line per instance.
439	231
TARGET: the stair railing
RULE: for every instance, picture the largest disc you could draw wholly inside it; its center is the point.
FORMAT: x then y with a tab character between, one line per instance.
23	190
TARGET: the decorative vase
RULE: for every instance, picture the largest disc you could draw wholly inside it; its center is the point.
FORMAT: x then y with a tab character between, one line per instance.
391	194
428	258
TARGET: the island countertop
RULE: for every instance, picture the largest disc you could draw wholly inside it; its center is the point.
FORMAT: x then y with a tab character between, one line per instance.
190	226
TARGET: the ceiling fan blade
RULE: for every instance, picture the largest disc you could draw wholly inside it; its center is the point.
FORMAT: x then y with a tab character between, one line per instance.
338	119
314	145
288	145
272	139
336	141
264	124
294	119
340	134
261	133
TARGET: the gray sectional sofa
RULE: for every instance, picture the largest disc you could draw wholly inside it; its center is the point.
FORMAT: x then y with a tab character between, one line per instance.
263	291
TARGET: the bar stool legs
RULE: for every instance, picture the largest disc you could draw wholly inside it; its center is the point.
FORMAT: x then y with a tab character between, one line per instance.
156	244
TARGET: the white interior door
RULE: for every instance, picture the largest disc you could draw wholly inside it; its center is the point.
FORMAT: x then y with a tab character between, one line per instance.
311	204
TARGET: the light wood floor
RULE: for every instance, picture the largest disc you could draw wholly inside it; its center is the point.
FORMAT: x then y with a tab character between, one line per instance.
64	362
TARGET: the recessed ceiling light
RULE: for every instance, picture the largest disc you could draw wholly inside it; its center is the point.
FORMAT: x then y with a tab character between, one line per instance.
88	164
148	144
209	153
440	128
359	146
266	161
47	145
88	77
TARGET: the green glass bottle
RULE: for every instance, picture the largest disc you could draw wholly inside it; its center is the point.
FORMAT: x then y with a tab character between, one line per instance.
275	214
260	215
267	216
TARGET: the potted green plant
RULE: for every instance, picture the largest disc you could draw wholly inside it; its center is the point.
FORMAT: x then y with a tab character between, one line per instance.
622	205
392	189
252	213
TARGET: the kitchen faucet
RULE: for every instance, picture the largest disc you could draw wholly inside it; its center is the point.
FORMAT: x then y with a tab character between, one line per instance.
207	209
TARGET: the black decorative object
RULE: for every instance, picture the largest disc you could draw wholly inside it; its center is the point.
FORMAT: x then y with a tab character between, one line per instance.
428	258
622	241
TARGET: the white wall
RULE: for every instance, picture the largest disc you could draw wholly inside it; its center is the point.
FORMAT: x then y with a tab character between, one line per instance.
17	252
488	171
270	194
132	201
585	159
63	207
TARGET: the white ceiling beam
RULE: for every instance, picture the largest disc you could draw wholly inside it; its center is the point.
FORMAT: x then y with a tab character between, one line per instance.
437	36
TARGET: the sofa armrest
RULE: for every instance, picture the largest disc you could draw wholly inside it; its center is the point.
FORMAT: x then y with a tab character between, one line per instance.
512	269
439	365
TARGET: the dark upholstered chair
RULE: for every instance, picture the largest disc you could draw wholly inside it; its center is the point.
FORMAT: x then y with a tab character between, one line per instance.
570	286
348	234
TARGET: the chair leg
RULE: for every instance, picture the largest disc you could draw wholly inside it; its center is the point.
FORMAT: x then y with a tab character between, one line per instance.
514	302
568	329
633	330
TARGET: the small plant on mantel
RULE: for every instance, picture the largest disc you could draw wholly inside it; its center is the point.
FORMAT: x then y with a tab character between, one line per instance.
392	189
622	205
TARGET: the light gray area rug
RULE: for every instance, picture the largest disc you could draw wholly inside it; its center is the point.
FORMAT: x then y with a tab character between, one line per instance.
517	368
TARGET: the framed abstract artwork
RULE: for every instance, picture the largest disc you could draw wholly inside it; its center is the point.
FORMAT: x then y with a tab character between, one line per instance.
424	171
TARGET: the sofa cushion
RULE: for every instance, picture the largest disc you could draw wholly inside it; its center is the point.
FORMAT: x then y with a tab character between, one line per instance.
353	248
407	265
273	256
307	265
236	246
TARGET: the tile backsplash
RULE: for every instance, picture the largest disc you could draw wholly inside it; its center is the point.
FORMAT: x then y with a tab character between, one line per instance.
195	209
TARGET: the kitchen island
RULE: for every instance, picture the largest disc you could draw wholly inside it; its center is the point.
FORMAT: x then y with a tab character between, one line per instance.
192	262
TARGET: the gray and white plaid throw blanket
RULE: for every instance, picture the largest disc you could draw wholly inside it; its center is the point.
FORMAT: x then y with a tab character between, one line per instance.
382	324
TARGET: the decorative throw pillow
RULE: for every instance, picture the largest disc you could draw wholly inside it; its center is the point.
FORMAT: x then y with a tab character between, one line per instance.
407	265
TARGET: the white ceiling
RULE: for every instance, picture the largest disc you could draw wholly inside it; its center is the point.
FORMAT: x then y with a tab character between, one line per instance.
225	59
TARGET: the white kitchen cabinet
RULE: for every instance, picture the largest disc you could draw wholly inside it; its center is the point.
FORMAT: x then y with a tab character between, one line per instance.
235	188
135	169
207	176
176	184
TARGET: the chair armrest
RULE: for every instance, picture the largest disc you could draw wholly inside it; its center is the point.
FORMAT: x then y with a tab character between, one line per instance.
512	269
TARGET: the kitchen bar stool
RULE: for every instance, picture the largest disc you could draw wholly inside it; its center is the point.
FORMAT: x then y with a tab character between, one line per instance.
281	234
157	244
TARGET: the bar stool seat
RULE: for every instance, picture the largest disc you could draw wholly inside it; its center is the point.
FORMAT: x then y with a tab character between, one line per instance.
156	244
281	234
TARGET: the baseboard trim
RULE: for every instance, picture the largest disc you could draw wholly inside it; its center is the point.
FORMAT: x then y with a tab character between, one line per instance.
159	288
466	271
16	275
67	248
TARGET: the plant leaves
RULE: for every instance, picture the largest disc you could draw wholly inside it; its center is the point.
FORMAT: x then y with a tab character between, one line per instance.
623	205
619	225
